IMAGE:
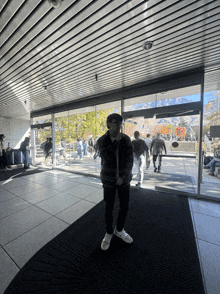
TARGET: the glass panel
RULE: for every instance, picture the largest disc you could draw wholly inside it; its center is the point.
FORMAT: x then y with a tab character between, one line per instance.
81	127
173	97
41	136
211	145
179	168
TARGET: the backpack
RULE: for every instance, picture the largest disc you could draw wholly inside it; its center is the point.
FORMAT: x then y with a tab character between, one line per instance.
91	142
42	146
207	159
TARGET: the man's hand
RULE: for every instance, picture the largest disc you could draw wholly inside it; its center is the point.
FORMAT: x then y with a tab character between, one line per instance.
119	182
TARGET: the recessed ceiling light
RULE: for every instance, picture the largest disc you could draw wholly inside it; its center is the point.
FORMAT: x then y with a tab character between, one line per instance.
148	45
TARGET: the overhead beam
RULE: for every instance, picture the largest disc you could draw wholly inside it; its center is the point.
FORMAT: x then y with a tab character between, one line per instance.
180	80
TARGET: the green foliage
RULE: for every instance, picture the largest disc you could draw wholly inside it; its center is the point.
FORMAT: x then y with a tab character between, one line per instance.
82	125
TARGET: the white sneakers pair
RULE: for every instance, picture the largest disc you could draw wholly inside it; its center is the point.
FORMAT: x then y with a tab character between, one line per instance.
107	239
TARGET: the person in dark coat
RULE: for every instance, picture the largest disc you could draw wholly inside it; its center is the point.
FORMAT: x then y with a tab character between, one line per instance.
24	147
48	150
116	174
3	156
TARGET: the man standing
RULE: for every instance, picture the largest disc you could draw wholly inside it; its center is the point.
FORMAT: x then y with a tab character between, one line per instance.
116	173
139	149
157	145
148	141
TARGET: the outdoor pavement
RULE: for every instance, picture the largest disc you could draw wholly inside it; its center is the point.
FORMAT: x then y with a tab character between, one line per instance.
176	173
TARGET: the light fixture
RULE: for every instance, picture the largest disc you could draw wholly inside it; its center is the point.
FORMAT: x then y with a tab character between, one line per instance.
148	45
55	3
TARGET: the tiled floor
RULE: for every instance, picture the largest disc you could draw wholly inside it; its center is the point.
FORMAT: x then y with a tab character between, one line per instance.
35	208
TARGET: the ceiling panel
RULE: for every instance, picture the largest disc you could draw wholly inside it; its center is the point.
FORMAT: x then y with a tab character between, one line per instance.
83	49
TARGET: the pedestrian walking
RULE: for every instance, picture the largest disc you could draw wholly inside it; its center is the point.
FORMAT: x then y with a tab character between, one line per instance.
157	147
139	149
148	141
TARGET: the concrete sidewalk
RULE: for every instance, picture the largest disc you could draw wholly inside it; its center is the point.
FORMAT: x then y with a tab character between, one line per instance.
176	173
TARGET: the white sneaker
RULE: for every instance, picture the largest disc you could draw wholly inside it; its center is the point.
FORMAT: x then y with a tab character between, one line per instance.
106	241
124	236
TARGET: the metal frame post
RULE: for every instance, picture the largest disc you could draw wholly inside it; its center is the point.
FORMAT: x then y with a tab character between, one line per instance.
122	110
54	140
33	151
200	163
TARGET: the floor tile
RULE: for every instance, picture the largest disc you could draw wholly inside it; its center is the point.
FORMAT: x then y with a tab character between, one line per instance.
24	247
210	258
19	191
206	207
82	191
11	206
95	197
50	181
58	203
65	185
20	222
6	195
8	270
207	228
40	195
74	212
13	183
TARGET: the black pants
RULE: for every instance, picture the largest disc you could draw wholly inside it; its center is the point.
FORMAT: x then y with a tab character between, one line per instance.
109	198
3	159
159	160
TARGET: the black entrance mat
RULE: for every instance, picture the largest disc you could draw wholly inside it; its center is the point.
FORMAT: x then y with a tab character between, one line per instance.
162	259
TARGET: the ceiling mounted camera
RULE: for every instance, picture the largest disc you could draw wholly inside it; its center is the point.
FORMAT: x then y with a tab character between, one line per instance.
55	3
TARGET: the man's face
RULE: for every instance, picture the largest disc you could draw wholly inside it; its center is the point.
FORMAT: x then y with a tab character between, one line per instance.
114	127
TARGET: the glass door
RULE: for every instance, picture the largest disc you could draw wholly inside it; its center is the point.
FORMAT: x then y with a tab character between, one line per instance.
43	134
178	168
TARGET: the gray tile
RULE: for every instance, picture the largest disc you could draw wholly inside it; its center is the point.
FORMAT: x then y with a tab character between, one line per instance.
20	222
24	247
40	195
74	212
8	270
19	191
18	182
57	203
65	185
207	228
6	195
206	207
210	259
11	206
50	181
82	191
95	197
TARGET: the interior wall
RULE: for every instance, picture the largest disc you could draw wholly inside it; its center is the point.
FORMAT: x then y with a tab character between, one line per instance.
15	130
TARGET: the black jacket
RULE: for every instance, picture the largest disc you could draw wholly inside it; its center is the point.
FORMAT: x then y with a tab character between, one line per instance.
139	147
107	150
